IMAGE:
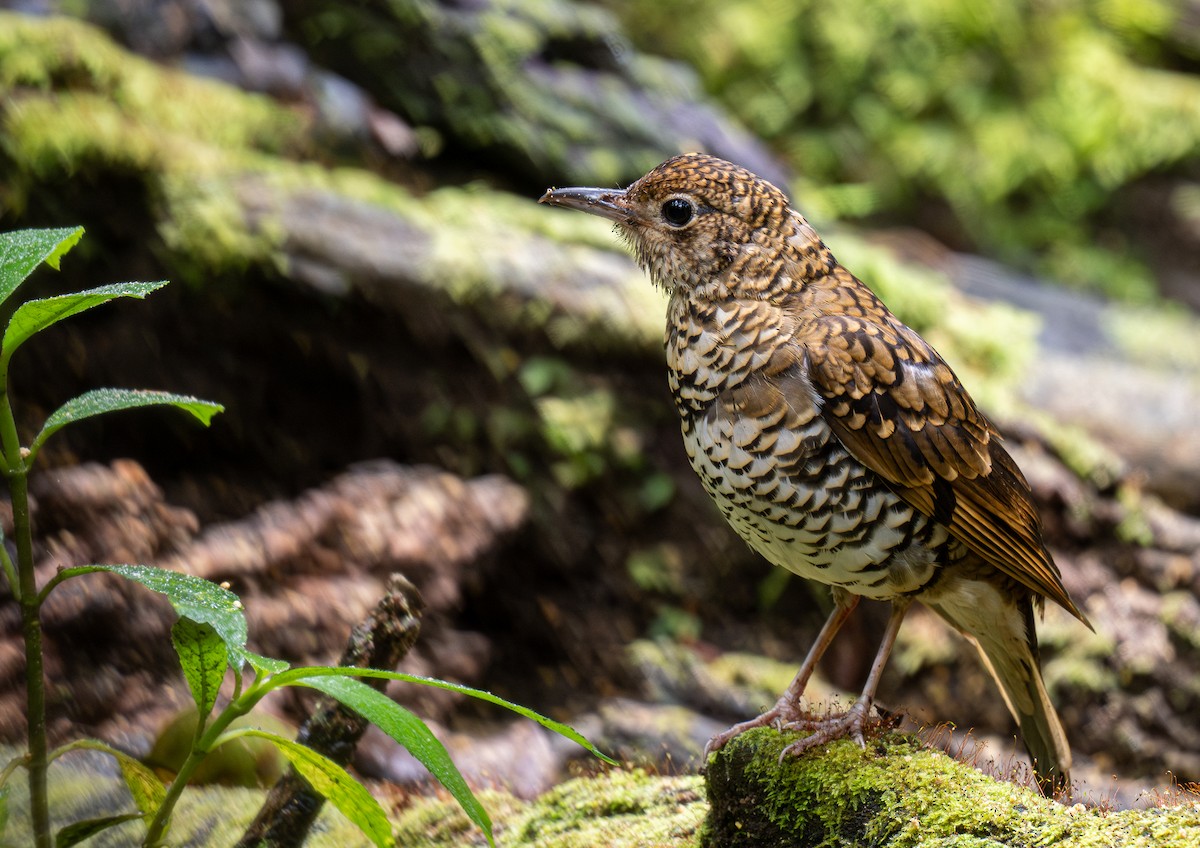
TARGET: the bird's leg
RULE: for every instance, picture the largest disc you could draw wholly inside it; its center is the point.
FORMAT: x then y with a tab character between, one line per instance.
787	708
852	722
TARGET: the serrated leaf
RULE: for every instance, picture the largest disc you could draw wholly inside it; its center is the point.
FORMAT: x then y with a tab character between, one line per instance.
400	724
204	658
100	401
192	597
23	250
335	783
75	833
36	315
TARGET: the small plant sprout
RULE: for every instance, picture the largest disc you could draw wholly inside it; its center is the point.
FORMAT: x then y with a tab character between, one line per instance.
210	634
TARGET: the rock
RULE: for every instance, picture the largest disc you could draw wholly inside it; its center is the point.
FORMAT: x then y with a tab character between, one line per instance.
307	570
280	70
897	793
1125	375
553	91
521	758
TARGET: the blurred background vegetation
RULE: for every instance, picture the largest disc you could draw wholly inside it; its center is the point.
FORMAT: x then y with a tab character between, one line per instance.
1059	137
1020	129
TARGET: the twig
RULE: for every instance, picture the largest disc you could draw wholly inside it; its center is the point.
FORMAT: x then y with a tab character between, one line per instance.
381	641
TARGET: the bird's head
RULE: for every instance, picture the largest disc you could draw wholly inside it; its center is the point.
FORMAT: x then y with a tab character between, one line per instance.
691	217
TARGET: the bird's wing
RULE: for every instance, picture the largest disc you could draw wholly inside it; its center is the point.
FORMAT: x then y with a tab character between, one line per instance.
900	410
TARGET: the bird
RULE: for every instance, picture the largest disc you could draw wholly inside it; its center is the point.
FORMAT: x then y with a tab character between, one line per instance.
835	440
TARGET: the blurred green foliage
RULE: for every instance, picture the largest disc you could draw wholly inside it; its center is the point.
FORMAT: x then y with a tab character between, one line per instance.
71	95
1024	118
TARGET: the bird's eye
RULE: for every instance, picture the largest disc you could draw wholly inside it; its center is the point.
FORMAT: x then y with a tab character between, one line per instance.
678	212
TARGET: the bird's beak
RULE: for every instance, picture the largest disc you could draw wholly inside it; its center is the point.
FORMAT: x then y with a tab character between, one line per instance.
606	202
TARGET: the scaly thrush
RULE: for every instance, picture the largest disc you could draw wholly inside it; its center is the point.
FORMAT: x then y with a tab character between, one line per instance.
836	441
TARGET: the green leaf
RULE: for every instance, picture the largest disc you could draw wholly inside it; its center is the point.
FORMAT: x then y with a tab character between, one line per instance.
294	675
147	790
36	315
267	665
332	781
204	658
100	401
192	597
409	731
75	833
24	250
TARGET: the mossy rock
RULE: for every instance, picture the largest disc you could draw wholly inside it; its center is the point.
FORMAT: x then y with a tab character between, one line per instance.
896	792
230	195
549	91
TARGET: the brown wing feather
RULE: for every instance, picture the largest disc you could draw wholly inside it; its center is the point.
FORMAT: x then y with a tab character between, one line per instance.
901	411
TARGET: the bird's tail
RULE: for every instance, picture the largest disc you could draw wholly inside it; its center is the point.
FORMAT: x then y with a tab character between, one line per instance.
1004	634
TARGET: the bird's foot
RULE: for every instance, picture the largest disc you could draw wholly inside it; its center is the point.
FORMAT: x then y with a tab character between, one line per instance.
850	723
785	713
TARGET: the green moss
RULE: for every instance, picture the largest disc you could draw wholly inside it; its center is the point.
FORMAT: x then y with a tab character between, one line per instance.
896	793
204	225
223	191
657	568
428	823
86	785
480	75
1080	659
1164	336
117	100
1087	457
620	809
763	680
75	103
1134	526
1025	119
1180	613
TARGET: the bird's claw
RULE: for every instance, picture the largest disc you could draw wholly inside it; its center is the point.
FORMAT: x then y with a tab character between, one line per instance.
718	741
785	713
851	723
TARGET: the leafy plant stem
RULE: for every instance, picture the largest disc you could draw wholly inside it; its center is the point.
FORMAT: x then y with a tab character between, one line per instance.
208	737
26	591
35	684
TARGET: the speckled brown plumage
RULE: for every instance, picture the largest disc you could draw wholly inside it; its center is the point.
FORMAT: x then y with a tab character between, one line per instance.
836	441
